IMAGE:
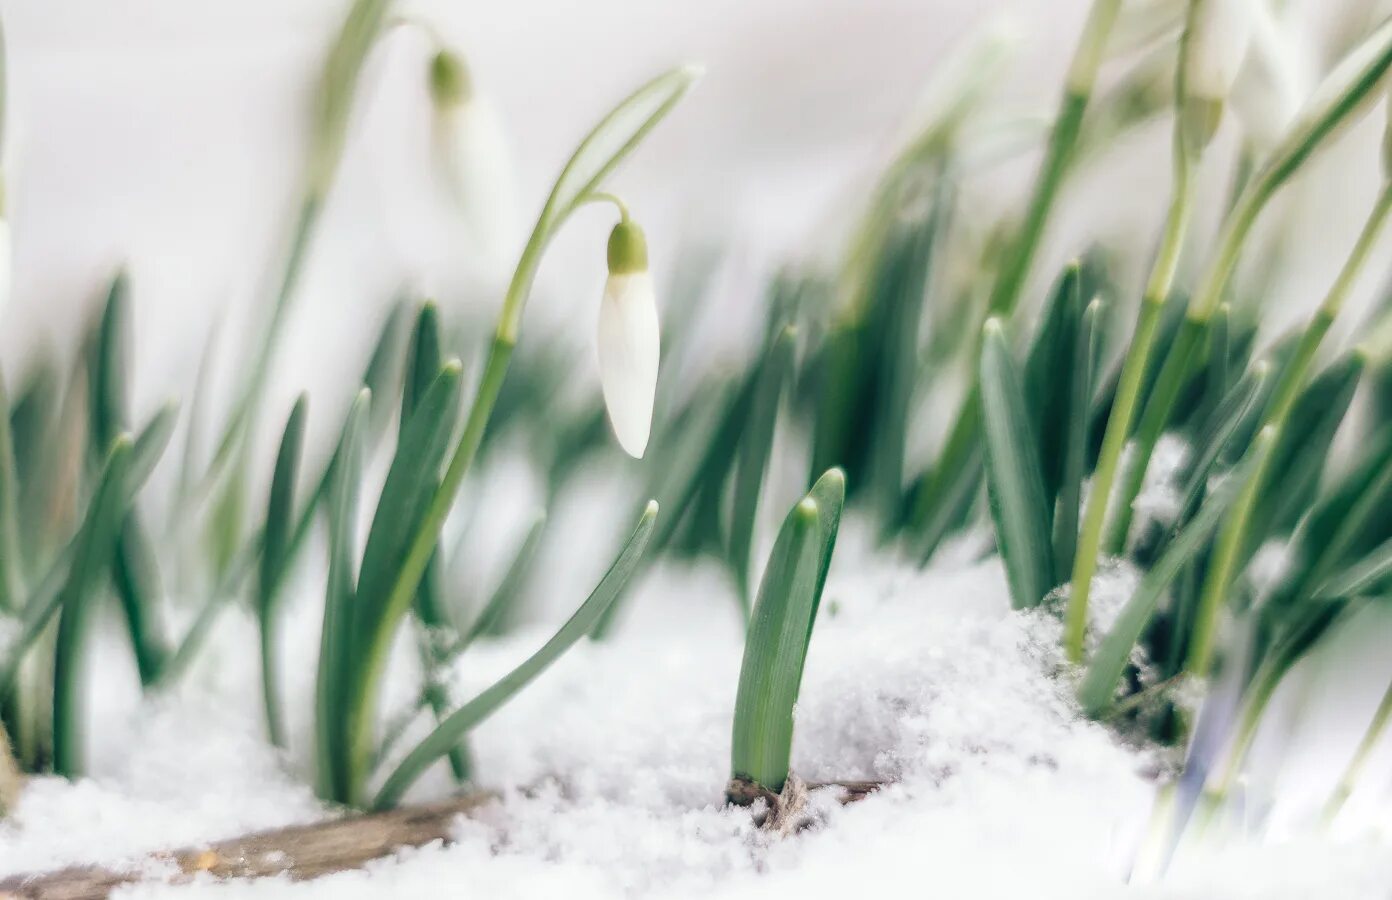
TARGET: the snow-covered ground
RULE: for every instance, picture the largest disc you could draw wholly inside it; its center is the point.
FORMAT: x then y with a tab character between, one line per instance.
609	771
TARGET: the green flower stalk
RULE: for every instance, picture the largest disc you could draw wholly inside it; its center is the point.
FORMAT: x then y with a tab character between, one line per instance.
1343	97
1211	50
616	135
1225	562
337	91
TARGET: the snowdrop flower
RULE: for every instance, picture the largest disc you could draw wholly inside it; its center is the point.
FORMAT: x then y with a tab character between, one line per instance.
1219	31
628	339
474	155
1273	82
1217	46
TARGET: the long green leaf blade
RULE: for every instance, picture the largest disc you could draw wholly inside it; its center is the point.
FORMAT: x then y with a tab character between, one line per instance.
451	730
275	549
336	658
91	558
755	448
1014	478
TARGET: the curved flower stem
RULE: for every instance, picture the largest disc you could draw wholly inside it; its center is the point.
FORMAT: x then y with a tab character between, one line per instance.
360	705
1341	99
605	197
1231	540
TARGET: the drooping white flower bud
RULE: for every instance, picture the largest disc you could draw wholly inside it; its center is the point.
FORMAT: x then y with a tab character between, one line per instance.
474	155
628	339
1218	34
1217	45
1273	82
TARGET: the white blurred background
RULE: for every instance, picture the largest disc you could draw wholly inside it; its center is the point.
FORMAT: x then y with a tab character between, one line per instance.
169	136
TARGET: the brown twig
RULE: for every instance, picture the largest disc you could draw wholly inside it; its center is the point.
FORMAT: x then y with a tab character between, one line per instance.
300	852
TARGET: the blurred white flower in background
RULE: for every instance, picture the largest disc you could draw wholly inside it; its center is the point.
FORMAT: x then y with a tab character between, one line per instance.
1217	47
1274	81
472	151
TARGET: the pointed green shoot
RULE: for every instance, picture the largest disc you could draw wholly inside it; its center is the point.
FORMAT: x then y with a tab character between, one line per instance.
275	548
755	448
775	648
91	560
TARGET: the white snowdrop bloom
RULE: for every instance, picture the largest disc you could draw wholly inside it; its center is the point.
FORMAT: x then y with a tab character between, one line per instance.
473	152
628	339
1217	45
1273	82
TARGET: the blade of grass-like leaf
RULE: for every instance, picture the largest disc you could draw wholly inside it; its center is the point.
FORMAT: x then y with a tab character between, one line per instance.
450	731
829	493
274	554
1051	356
384	365
33	423
411	480
336	657
775	647
1348	521
1360	577
108	367
136	573
1234	414
45	598
1073	446
506	592
1013	475
91	557
1298	460
755	447
1109	661
423	360
10	580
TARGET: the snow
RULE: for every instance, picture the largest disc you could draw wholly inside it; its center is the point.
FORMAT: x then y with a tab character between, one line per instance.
609	771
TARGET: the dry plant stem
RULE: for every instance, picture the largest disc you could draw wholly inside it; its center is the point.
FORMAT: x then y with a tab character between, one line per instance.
1128	392
1223	567
1344	789
300	852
